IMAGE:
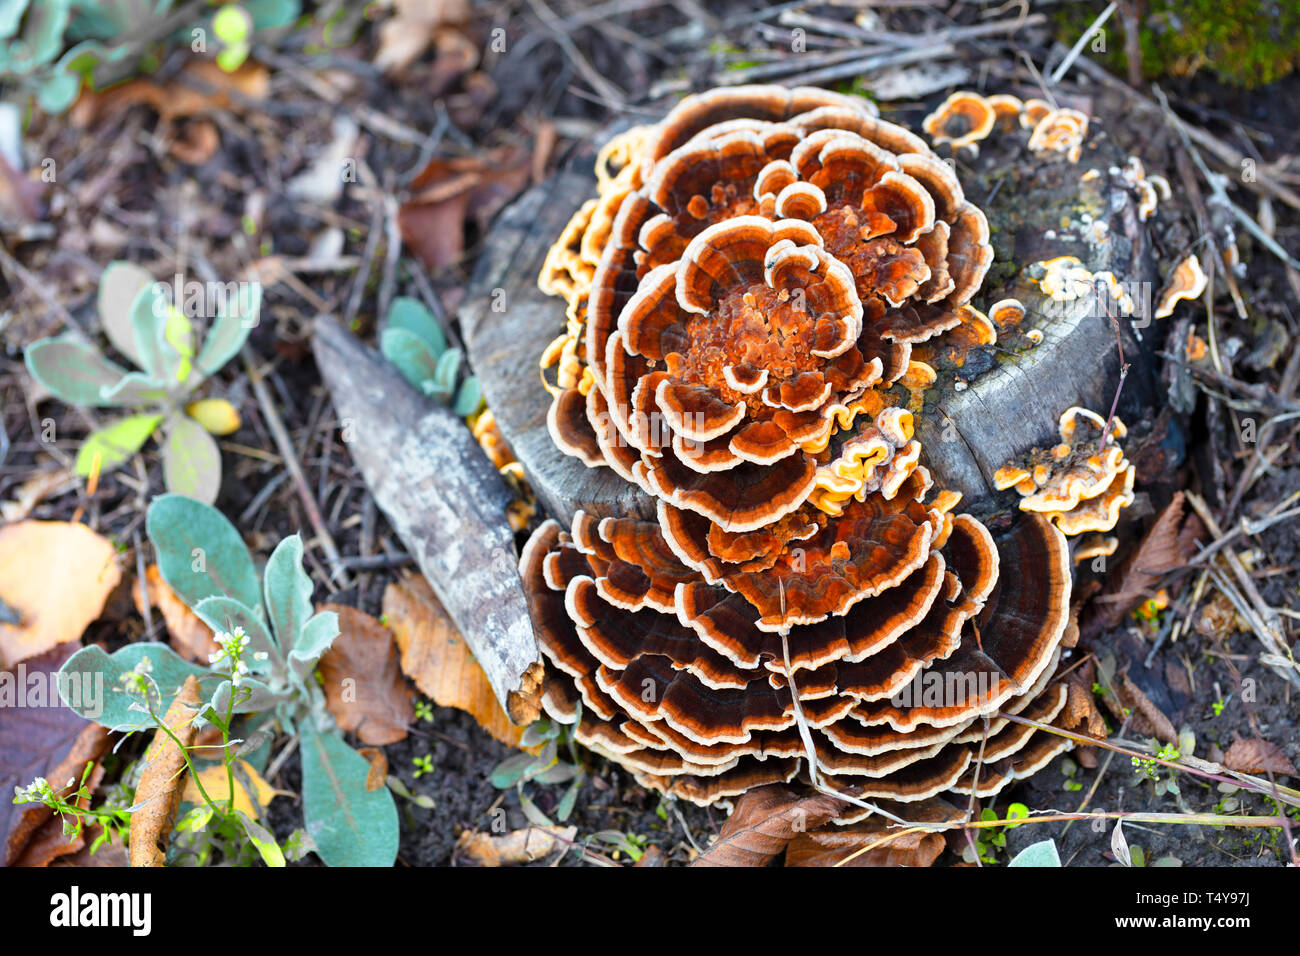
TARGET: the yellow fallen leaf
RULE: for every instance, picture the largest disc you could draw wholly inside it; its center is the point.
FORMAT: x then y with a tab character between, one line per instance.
216	415
215	783
436	657
56	575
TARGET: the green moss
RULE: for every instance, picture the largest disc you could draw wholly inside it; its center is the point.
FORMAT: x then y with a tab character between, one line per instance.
1247	43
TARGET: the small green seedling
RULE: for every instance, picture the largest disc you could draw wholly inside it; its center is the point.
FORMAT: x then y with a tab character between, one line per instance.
158	337
414	342
544	767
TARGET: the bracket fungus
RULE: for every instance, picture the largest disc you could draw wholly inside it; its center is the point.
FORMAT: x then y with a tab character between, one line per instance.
1080	484
1187	281
751	296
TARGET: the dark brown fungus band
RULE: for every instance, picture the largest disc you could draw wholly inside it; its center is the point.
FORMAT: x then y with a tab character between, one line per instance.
745	294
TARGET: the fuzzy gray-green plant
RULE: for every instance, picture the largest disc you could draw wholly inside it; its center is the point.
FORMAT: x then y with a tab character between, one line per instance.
414	342
160	339
272	640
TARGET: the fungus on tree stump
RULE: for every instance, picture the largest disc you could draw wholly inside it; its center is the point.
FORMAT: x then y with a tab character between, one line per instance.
754	300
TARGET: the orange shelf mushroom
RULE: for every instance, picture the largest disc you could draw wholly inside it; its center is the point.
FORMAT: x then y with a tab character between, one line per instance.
802	606
1080	484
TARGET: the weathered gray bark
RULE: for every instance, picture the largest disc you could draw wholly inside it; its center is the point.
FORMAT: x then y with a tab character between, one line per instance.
1042	209
447	503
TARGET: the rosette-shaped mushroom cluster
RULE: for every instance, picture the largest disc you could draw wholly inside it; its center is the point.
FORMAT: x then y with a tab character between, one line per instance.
744	298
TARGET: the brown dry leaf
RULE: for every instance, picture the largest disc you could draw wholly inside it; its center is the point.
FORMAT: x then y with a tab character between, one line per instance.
39	737
44	484
1169	544
518	846
159	794
436	657
364	687
191	638
409	31
215	782
1132	697
21	198
201	87
1081	715
195	143
764	822
56	575
1256	755
891	844
451	192
377	775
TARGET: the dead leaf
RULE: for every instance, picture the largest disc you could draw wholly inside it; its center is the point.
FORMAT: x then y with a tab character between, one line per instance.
40	737
21	198
216	783
405	35
1256	755
57	575
377	775
436	657
452	192
191	638
49	483
195	142
364	687
200	88
518	846
764	822
1169	544
159	793
891	844
1131	696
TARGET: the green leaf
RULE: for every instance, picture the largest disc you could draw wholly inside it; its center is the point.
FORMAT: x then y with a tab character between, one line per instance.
222	613
199	552
1042	853
269	14
119	287
254	697
232	24
136	388
230	328
410	314
89	683
58	92
412	356
350	825
287	591
73	371
469	398
448	368
11	15
42	34
315	639
191	460
148	320
511	770
115	443
177	348
270	851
